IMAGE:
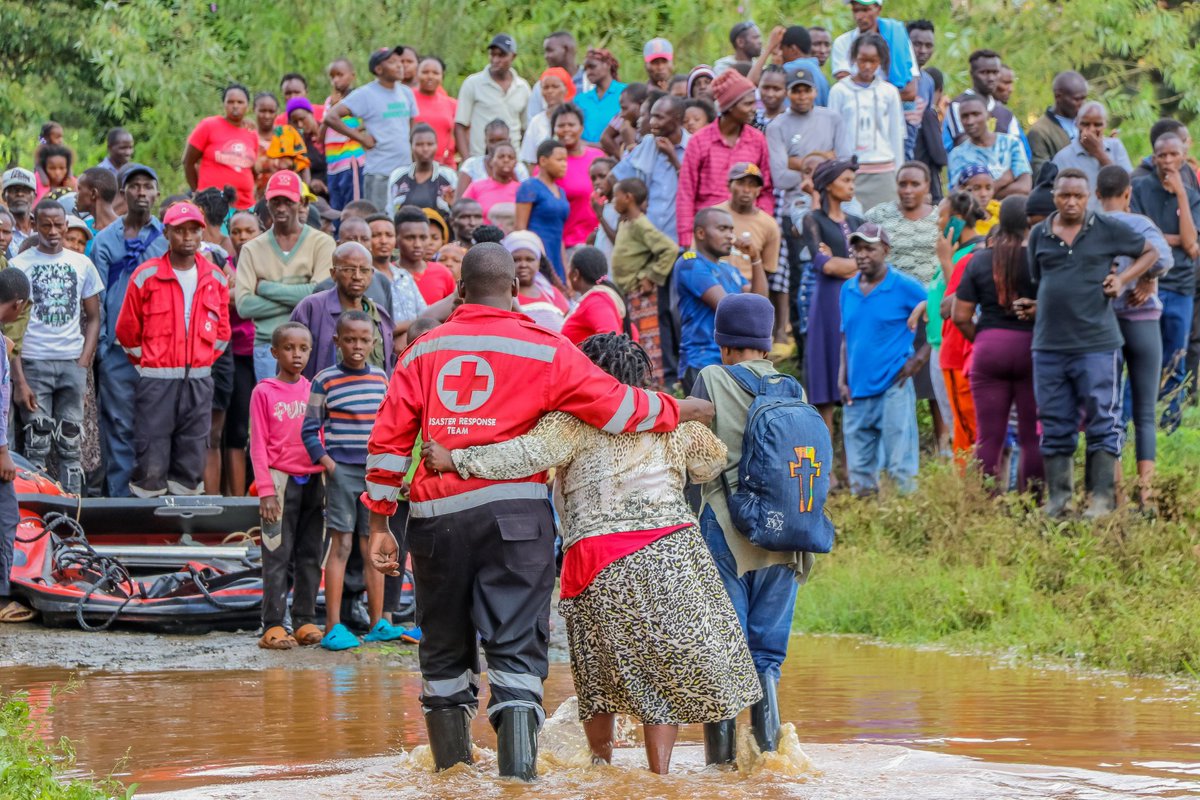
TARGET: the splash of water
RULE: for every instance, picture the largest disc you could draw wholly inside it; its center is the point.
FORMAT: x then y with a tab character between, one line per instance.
788	759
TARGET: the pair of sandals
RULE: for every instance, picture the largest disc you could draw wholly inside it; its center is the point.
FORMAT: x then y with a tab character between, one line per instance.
14	612
277	637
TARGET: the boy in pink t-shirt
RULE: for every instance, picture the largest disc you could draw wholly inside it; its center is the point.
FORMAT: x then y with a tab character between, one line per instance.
291	493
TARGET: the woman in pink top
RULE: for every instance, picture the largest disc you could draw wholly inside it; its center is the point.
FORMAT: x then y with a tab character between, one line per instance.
501	164
567	124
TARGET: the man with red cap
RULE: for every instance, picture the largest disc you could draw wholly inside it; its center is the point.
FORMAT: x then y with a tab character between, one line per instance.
279	268
731	139
174	325
660	63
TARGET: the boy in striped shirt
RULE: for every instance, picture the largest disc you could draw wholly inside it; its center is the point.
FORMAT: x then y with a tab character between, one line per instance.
341	412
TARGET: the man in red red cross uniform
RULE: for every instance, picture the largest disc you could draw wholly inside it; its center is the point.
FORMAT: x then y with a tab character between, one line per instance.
483	551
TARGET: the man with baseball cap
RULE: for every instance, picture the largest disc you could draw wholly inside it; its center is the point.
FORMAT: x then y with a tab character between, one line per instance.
659	56
282	266
118	250
755	234
902	71
386	108
747	43
493	93
174	350
17	189
879	403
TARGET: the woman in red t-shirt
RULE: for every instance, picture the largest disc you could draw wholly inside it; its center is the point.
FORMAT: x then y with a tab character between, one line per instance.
436	108
221	150
602	307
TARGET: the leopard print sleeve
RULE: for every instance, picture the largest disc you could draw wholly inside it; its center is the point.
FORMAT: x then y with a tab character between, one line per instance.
553	442
700	451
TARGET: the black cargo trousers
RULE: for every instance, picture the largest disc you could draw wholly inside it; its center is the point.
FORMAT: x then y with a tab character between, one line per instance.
488	570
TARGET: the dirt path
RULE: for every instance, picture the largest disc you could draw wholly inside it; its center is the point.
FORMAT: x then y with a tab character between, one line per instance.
125	651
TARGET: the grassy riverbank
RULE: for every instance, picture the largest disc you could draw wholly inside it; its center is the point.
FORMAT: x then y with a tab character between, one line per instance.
30	768
952	566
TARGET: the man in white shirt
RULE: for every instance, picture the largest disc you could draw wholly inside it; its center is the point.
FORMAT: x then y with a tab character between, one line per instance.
50	377
494	93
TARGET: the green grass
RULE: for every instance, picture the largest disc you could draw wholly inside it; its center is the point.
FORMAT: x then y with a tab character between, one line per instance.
31	769
953	566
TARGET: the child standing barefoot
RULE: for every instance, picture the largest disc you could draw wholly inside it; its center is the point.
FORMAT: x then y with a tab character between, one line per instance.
291	494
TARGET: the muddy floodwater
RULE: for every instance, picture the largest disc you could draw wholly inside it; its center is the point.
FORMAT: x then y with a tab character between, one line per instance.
870	721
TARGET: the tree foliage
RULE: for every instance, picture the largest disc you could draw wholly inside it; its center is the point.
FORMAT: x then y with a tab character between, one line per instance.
157	66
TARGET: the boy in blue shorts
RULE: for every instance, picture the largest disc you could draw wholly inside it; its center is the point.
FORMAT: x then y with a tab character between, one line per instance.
702	277
880	311
342	406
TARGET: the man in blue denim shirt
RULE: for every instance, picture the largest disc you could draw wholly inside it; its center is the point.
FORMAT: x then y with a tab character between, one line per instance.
117	251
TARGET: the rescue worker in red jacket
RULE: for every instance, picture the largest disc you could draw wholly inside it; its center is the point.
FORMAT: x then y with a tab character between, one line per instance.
174	325
483	551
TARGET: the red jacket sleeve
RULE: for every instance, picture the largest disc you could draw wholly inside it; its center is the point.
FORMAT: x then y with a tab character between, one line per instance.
685	198
224	328
129	321
389	450
583	390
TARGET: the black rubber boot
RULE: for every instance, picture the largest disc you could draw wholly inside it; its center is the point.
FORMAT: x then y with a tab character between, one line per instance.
720	742
516	743
449	736
764	716
1101	484
1060	485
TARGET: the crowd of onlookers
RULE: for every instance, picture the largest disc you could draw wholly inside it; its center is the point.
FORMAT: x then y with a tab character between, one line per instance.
1028	281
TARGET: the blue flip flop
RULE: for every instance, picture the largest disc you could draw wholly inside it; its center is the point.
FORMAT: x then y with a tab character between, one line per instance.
339	637
384	631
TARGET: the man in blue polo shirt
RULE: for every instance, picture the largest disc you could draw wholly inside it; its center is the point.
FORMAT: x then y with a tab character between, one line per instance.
879	312
702	278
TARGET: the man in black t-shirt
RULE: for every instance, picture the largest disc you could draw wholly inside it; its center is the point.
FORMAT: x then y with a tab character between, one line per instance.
1076	339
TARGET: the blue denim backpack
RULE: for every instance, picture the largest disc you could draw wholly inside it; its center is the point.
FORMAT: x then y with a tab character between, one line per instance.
783	477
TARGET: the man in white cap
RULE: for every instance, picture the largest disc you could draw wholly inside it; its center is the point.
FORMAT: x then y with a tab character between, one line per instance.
18	192
659	56
494	93
902	72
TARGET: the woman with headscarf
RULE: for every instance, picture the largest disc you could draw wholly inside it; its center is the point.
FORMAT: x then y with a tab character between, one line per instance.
536	295
557	88
828	230
603	101
302	117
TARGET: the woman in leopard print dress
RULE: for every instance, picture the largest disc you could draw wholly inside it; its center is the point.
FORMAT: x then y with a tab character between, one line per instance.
652	633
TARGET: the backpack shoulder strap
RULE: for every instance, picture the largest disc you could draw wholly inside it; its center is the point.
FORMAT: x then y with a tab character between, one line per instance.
744	378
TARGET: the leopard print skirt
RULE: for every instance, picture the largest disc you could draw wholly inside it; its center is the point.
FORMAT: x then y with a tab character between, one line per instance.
655	636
